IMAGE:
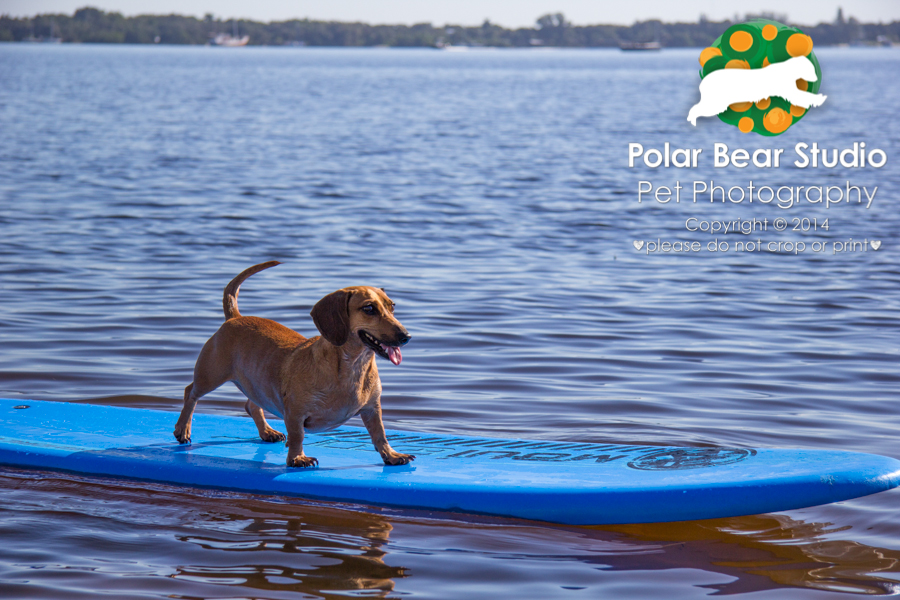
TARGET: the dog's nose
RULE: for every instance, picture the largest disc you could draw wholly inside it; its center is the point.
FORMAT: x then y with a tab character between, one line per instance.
404	338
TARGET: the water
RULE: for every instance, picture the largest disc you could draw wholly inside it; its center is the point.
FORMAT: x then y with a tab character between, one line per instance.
489	193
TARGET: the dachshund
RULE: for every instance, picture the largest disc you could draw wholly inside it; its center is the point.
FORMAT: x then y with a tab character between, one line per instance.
314	384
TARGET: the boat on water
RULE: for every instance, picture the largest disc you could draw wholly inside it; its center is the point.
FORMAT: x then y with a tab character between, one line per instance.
50	39
44	40
224	39
640	46
230	40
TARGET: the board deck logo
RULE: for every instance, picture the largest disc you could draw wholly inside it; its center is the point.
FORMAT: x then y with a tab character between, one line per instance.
760	76
643	458
677	459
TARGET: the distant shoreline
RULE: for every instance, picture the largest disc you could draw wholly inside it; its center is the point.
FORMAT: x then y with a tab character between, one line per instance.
90	25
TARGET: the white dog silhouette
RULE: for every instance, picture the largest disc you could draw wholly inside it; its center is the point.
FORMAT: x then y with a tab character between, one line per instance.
721	88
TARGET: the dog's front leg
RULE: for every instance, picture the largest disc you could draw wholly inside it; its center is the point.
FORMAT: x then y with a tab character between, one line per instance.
804	99
371	417
295	457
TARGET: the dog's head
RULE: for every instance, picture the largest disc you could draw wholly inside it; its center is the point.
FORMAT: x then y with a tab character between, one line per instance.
363	312
803	68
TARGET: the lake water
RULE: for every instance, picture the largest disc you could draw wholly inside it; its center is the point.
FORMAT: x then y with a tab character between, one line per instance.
489	193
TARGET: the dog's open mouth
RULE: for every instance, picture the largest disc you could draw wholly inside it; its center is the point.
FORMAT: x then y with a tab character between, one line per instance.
392	353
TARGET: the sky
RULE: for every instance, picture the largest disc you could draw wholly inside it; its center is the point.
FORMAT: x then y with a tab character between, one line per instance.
508	13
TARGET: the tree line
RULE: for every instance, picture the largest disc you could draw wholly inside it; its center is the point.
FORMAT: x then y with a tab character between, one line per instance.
90	25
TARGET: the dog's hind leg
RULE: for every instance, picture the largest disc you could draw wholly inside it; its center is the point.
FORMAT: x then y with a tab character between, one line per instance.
266	433
183	426
703	109
213	368
693	114
192	393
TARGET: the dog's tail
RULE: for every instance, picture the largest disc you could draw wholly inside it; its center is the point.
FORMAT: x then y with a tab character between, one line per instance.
229	299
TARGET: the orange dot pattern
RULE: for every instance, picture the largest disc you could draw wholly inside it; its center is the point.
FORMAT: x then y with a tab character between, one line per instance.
777	120
740	41
736	63
799	44
709	53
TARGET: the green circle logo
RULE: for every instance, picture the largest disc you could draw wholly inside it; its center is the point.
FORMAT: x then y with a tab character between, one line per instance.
756	45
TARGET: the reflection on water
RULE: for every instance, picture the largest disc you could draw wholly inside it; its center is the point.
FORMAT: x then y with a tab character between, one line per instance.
331	549
769	551
203	539
209	544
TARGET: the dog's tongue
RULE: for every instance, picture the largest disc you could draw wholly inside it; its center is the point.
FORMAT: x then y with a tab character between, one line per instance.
394	354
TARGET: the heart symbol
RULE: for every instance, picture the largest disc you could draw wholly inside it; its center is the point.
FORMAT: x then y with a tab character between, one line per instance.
638	244
876	244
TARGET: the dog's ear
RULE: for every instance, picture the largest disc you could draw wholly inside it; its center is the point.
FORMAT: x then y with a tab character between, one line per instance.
331	315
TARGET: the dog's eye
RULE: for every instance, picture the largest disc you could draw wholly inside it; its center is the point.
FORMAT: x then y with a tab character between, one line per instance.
369	309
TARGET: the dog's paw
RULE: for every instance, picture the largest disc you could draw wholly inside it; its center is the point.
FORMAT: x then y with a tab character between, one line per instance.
271	435
302	461
183	436
398	459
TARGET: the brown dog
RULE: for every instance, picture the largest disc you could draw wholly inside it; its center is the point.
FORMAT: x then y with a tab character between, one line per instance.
314	384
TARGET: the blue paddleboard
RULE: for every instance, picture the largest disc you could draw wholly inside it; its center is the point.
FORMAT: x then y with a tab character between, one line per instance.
560	482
